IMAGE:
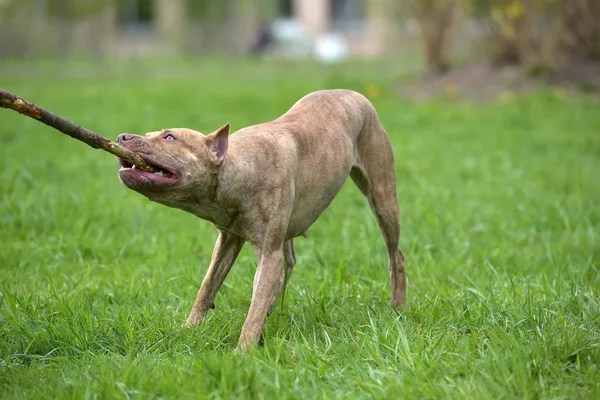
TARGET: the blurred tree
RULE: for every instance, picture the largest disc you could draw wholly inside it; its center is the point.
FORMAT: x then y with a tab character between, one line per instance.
519	31
581	23
435	20
74	10
211	19
171	23
136	12
36	27
543	36
14	39
226	26
381	16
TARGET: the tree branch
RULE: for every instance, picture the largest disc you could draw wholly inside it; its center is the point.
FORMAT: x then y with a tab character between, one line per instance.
8	100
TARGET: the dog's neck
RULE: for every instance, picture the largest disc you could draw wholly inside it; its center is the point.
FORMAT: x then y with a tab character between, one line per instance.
220	202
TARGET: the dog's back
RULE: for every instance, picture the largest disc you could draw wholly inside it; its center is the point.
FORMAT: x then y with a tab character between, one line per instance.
314	146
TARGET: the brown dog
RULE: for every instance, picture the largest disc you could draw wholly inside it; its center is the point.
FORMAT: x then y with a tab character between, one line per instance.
267	184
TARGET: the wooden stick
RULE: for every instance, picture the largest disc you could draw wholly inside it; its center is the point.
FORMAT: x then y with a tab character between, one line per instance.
8	100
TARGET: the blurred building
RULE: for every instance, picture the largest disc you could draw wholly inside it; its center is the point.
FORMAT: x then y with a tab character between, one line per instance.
146	27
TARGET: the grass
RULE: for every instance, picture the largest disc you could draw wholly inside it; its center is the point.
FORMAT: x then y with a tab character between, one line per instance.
501	217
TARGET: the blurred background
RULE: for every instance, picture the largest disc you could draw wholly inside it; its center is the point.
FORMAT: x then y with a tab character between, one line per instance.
551	39
492	110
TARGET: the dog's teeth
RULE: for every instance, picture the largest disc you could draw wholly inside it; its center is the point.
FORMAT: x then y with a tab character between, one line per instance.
133	167
162	173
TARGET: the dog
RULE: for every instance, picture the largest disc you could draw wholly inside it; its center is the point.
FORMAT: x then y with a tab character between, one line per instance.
267	184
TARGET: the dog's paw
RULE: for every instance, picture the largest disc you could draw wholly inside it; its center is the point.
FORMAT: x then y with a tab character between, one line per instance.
244	346
190	323
399	303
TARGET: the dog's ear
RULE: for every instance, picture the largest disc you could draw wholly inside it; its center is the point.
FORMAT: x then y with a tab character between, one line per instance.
217	143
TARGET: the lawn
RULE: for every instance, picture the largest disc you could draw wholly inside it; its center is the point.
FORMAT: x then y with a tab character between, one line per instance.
500	207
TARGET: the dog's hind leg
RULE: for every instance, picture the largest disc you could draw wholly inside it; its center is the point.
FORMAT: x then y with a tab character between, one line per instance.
290	258
375	175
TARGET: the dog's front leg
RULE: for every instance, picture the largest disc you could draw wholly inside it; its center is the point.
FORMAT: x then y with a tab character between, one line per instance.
224	254
266	283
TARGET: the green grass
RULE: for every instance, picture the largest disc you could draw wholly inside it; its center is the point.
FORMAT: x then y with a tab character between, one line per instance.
501	224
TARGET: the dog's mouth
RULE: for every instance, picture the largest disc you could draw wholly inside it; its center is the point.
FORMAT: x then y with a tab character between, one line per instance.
129	172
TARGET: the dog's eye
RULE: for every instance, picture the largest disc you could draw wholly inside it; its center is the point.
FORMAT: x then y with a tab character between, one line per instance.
169	137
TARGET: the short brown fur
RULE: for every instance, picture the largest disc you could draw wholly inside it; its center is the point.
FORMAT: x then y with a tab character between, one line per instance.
267	184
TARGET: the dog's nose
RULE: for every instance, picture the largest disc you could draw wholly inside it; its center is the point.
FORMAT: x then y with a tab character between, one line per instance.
124	137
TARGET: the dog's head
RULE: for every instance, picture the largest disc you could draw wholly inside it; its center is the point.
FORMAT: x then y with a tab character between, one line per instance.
187	161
